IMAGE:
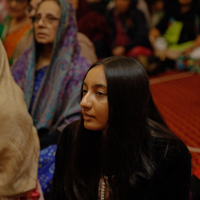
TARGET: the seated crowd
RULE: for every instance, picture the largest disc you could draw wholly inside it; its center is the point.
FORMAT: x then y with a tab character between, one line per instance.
67	56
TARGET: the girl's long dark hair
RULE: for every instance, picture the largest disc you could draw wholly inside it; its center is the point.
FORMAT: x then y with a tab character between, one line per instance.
126	153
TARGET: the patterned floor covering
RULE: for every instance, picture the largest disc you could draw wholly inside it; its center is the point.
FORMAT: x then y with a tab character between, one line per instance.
177	96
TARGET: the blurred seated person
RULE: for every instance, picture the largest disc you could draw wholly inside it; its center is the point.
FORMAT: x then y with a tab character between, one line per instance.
178	33
50	71
129	30
94	26
141	5
87	47
156	10
19	143
14	27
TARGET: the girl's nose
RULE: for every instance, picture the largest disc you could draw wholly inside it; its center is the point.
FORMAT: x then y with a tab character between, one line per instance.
86	101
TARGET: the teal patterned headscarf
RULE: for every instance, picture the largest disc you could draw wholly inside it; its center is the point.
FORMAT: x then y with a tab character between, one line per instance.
57	101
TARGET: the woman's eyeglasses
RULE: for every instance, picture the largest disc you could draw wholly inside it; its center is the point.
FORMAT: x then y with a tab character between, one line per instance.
46	20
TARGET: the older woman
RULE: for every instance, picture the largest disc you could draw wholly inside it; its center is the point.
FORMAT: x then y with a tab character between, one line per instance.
14	28
51	71
87	47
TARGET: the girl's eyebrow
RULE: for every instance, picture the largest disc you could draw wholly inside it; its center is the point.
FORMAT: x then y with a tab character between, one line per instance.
96	85
100	85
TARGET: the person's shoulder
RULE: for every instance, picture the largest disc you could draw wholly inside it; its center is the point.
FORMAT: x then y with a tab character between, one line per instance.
172	150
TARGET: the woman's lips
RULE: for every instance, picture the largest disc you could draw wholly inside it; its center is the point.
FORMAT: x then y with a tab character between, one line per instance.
41	34
13	10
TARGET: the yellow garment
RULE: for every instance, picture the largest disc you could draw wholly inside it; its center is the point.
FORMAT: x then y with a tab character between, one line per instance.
172	35
19	143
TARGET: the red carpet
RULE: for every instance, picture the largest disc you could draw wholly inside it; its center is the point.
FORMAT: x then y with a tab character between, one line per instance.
177	96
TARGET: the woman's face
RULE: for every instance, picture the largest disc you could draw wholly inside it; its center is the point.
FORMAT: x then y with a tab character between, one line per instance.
46	22
159	5
122	6
94	103
17	8
185	2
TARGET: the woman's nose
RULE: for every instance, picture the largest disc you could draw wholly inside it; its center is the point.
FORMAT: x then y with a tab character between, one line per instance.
86	101
41	22
13	3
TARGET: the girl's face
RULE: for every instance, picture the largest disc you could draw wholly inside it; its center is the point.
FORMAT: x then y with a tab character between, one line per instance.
46	22
17	8
94	103
122	6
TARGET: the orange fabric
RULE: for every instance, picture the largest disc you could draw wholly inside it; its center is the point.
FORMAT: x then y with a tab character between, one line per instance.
12	39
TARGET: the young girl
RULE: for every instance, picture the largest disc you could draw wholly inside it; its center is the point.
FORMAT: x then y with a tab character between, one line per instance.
121	147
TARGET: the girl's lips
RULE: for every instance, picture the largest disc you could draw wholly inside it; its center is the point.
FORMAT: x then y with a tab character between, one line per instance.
87	117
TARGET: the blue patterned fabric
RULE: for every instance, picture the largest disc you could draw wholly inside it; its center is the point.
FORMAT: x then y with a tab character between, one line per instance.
39	74
46	167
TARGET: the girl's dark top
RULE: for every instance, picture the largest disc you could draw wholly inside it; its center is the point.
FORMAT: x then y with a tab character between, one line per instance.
191	24
171	180
136	26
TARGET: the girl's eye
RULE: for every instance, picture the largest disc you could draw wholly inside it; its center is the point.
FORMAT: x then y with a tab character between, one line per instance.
99	93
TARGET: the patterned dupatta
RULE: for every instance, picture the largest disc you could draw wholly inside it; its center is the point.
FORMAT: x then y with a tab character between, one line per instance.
57	101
